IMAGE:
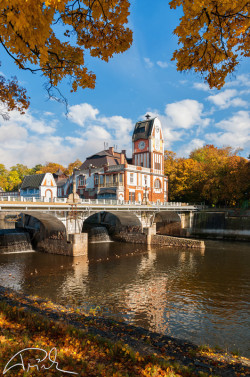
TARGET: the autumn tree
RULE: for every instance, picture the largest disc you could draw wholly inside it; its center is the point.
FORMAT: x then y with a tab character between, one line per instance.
76	164
214	175
51	167
13	181
21	170
53	36
214	36
3	177
12	96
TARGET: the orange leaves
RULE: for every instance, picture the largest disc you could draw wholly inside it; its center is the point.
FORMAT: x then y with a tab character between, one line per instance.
27	34
214	175
13	96
213	35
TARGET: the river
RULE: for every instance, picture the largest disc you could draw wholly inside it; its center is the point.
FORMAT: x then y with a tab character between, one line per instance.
198	295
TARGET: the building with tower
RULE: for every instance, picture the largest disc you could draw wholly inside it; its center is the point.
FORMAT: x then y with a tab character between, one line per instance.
111	175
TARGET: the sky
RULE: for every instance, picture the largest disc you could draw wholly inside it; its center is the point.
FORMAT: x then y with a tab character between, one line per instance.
140	81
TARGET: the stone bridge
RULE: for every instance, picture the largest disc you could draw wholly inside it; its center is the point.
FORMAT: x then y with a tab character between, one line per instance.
169	219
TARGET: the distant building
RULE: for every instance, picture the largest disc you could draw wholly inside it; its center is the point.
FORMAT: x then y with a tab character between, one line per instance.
111	175
39	186
61	180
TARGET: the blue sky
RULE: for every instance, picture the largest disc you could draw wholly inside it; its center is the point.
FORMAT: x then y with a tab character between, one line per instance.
142	80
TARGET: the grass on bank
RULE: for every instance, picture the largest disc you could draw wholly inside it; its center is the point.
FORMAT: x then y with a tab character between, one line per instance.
77	351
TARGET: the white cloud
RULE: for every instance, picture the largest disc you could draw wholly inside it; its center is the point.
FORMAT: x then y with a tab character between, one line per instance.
29	140
162	64
79	114
29	121
149	63
236	131
226	99
97	132
185	114
185	149
241	80
201	86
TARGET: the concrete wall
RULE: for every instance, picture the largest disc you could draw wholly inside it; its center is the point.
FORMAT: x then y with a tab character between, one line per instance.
12	241
6	220
221	225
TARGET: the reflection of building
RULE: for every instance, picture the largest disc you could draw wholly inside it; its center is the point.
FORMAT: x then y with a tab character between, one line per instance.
39	186
109	174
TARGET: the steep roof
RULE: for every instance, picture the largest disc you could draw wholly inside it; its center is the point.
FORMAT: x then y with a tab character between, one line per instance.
58	172
61	182
102	158
143	129
32	181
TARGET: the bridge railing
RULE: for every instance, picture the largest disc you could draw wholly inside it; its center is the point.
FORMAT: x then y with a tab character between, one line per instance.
112	202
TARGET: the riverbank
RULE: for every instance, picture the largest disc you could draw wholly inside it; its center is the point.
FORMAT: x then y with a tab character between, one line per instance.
91	345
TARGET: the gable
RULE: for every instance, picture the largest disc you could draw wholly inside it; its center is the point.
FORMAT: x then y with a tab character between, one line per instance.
48	180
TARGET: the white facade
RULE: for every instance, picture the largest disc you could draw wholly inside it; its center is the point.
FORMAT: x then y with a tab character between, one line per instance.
48	188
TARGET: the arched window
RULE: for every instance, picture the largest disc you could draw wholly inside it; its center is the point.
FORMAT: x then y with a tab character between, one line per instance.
157	184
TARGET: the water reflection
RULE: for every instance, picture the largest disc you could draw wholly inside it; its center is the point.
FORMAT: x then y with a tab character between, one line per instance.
200	295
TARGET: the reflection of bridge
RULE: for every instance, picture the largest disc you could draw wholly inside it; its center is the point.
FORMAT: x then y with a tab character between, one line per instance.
73	216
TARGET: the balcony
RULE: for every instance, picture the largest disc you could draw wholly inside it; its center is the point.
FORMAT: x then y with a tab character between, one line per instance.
111	184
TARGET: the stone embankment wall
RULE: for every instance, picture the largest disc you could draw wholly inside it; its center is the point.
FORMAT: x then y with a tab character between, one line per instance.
130	237
176	242
160	240
76	245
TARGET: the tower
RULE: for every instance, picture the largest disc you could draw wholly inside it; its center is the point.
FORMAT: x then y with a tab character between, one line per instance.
148	156
148	145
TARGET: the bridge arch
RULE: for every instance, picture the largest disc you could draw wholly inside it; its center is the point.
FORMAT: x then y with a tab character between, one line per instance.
168	222
41	226
113	221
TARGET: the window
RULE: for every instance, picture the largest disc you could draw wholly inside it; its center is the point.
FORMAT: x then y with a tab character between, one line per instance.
121	178
141	129
131	178
157	165
96	179
101	179
81	180
145	180
131	196
157	184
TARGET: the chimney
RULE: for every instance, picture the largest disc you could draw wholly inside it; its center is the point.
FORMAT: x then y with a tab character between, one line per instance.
111	150
123	156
